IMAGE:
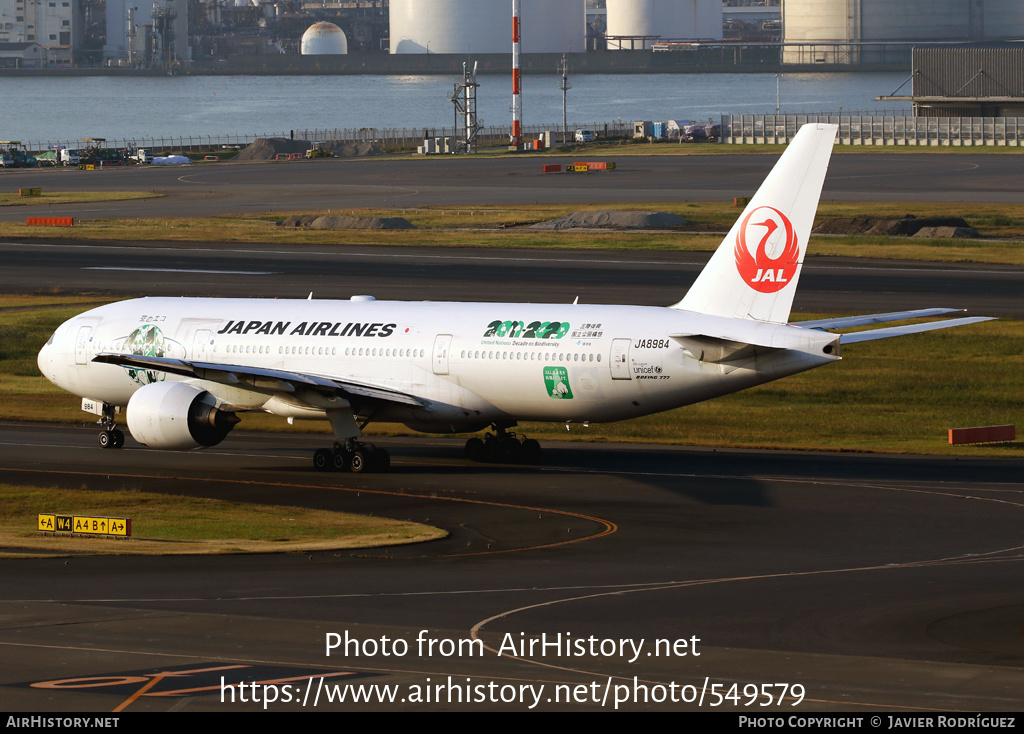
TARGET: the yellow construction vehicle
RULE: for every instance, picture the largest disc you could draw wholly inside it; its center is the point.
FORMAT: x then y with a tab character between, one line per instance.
319	151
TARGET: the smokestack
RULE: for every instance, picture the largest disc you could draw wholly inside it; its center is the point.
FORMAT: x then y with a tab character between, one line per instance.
517	88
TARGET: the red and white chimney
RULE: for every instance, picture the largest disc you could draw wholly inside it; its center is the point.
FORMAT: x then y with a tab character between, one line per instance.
517	85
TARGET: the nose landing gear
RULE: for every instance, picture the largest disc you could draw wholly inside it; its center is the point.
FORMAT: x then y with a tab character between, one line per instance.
110	437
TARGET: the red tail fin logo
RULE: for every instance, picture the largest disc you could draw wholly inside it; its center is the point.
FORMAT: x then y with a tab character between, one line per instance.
759	270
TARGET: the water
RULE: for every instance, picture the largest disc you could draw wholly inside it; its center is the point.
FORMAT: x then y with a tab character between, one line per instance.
61	108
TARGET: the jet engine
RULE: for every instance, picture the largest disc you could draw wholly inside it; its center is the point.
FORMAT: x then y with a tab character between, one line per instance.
177	417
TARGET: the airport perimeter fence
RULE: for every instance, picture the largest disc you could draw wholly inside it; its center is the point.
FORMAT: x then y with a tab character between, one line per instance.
385	138
880	129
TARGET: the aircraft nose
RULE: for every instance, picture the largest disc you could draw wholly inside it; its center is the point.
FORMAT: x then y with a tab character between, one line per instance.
43	360
46	360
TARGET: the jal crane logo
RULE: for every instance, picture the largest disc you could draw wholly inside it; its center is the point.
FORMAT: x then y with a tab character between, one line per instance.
759	270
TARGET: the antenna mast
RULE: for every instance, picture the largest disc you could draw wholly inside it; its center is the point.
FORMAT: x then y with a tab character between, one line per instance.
565	86
464	99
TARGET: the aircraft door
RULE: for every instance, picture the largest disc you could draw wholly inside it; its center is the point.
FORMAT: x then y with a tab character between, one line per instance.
619	362
82	345
441	346
200	344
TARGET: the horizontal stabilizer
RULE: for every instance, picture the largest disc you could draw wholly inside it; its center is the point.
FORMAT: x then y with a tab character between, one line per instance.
866	336
847	322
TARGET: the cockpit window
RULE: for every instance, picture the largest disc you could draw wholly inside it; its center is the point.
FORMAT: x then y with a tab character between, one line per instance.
50	340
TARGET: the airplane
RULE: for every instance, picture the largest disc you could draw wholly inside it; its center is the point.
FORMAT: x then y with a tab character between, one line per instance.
184	368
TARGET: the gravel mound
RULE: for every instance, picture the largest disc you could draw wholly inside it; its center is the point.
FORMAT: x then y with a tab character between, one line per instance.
611	219
297	220
908	226
313	221
948	232
265	149
341	222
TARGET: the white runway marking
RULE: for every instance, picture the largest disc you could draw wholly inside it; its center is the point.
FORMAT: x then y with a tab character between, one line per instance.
184	270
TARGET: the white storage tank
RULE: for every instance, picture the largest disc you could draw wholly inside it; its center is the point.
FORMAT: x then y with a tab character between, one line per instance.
485	26
668	19
324	38
907	20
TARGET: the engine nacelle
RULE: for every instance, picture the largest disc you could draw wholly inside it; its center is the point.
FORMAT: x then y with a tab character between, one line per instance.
177	417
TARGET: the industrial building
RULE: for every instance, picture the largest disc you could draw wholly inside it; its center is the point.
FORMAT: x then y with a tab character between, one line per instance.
140	34
49	24
967	81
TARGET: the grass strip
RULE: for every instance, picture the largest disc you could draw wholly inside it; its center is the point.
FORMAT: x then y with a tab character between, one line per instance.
165	524
491	227
72	197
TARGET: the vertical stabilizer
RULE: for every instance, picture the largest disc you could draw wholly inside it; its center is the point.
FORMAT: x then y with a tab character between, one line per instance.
754	272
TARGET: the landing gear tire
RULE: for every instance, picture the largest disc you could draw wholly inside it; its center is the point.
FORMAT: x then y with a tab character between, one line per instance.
109	437
475	449
357	458
323	460
531	452
359	462
510	450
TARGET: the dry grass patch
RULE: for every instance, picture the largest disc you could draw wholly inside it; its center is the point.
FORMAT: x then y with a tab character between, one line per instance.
170	524
72	197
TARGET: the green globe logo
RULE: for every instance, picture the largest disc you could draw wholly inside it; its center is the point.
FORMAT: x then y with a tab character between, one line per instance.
146	341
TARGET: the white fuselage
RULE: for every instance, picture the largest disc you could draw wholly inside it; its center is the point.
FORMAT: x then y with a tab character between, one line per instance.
470	364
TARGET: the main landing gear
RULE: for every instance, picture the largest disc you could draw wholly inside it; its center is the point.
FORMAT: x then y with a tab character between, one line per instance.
504	447
110	437
353	456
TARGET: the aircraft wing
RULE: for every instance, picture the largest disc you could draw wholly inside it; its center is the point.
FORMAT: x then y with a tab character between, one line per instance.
259	378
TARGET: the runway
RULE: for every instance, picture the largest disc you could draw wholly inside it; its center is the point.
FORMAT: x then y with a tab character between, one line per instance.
876	583
757	582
